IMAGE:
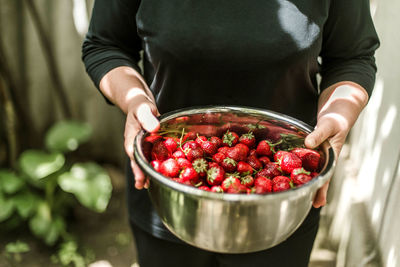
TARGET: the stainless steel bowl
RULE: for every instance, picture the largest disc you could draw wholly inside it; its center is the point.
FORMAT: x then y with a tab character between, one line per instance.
231	223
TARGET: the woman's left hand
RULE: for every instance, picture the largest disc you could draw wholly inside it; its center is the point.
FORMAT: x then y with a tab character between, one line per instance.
338	109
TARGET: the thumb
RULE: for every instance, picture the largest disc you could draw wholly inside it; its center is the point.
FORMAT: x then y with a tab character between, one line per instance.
322	132
145	115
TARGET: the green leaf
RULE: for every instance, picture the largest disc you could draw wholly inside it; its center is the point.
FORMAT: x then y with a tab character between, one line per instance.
90	184
10	182
38	164
67	135
45	226
25	203
17	247
6	208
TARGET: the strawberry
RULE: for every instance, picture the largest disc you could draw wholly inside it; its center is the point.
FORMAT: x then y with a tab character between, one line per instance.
229	164
183	163
254	162
170	168
156	164
216	140
264	148
239	152
244	168
189	174
179	154
190	144
213	164
201	166
217	189
218	157
189	136
270	170
264	160
170	144
223	149
288	162
204	187
262	185
200	139
300	176
313	174
230	138
280	183
278	155
247	180
232	184
310	158
153	138
248	139
194	153
209	147
253	152
215	175
160	151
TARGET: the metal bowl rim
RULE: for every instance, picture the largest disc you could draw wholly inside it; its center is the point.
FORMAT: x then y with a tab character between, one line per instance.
323	176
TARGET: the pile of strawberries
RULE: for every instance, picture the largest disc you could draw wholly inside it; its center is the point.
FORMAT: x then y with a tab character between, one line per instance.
232	163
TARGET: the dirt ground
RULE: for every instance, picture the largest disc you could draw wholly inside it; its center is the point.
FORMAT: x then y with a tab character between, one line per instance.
106	238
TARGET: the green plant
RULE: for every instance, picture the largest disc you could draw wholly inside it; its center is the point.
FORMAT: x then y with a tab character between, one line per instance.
40	191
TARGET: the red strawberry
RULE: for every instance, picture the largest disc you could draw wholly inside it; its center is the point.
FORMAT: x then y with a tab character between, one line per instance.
247	180
313	174
223	149
200	139
183	163
153	138
204	187
278	155
239	152
160	151
229	164
201	166
179	154
254	162
156	164
215	175
270	170
190	144
280	183
189	174
248	139
253	152
230	138
244	168
289	161
216	140
264	160
264	148
217	189
309	157
170	168
209	147
300	176
170	144
218	157
232	185
262	185
213	164
194	153
189	136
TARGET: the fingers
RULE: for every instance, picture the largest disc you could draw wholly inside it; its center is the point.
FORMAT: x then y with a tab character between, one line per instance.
322	132
140	117
320	197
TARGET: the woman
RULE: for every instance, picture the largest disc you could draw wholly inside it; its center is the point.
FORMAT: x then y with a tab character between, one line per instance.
262	54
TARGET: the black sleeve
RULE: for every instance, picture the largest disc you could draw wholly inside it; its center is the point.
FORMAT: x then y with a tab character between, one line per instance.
349	44
112	39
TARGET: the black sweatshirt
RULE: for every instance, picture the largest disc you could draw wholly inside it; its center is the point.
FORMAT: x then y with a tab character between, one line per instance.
259	53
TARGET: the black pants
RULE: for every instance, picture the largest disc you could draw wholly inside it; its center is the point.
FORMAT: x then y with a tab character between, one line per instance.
294	252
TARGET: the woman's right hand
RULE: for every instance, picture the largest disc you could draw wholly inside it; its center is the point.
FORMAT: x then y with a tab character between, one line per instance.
141	114
126	88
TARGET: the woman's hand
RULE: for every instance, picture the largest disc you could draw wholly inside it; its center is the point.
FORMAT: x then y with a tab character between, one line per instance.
338	109
126	88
